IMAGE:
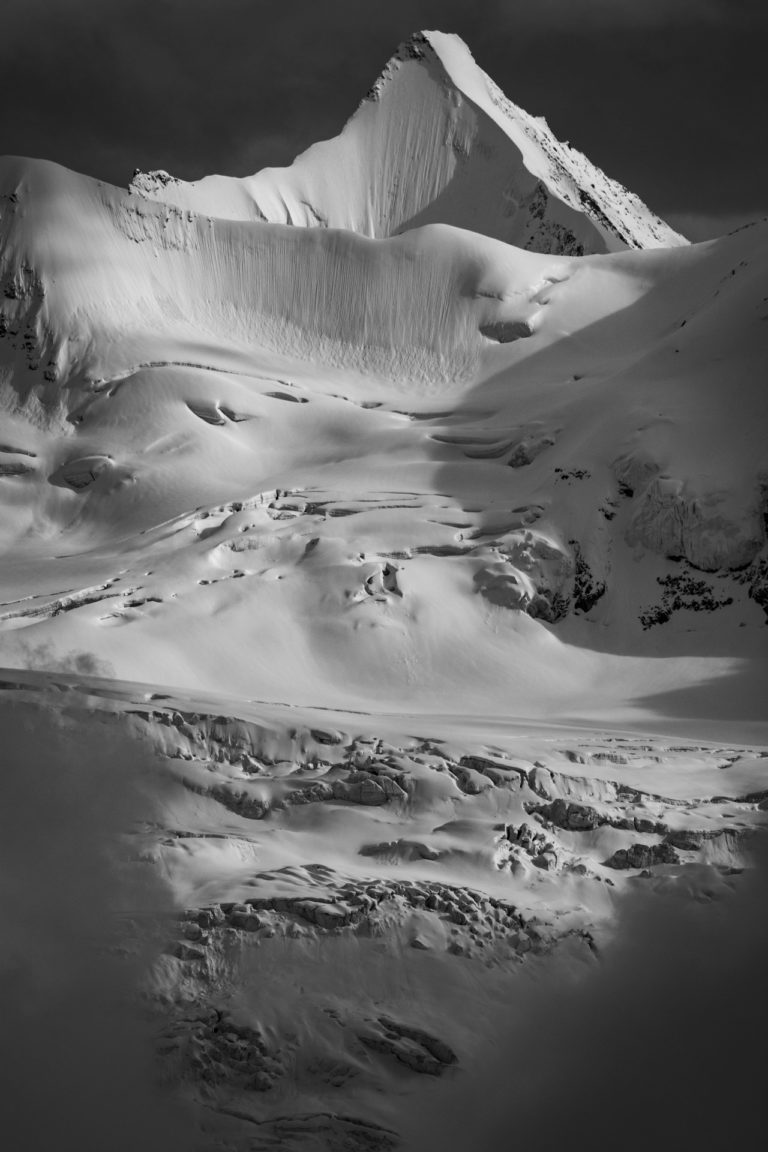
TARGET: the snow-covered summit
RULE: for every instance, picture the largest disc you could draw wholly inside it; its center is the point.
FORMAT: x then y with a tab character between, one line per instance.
436	141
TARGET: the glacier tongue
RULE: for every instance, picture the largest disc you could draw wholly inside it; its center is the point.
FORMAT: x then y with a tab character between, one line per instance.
436	142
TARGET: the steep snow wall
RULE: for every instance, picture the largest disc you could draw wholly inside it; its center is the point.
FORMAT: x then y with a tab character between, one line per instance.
472	476
436	141
87	268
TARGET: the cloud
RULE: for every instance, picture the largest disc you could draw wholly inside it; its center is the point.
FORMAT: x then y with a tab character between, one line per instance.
661	1045
44	658
662	94
76	1058
646	14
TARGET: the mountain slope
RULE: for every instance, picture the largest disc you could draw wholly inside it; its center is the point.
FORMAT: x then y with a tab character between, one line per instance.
436	141
433	464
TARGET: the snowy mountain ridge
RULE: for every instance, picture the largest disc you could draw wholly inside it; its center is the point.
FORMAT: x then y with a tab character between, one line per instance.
436	141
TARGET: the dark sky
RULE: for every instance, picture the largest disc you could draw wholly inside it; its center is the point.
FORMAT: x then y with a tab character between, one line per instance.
668	96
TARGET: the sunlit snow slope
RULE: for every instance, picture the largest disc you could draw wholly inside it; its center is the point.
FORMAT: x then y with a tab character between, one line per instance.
436	141
433	469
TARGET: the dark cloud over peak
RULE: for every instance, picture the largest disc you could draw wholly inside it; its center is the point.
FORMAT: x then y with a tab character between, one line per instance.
667	96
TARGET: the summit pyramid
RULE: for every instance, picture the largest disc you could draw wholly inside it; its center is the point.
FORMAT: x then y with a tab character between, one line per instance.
436	141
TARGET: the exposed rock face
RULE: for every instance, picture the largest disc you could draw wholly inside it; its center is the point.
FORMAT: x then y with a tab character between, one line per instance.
683	591
587	588
756	579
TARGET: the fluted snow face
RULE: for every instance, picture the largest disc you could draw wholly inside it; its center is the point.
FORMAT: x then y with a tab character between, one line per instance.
433	467
405	459
409	310
436	141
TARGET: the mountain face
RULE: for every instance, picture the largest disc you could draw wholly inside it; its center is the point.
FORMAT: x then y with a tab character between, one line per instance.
382	609
568	451
436	141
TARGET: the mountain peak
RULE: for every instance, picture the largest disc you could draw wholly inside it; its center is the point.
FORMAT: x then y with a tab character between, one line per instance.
436	141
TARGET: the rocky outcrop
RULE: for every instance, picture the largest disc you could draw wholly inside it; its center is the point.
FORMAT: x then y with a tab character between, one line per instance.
683	591
756	580
587	588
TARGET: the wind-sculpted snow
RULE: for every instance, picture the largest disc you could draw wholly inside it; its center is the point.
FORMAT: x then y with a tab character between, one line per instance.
403	308
412	309
489	452
436	141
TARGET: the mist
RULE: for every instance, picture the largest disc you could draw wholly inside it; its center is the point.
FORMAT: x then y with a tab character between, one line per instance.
660	1043
75	1049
